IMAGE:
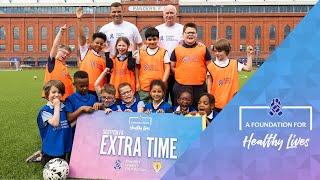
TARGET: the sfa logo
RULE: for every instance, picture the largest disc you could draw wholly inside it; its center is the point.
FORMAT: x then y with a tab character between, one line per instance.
275	107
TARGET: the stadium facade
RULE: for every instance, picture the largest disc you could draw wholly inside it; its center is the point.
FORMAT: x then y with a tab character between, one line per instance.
28	27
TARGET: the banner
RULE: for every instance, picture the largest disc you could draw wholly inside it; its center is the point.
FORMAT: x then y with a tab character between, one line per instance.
270	130
130	145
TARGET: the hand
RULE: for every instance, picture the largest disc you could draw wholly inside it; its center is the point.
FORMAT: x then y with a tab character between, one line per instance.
160	111
106	71
202	113
128	110
138	86
193	113
130	48
79	12
143	47
108	110
97	106
200	44
63	29
105	48
87	109
56	103
249	49
177	112
149	111
135	54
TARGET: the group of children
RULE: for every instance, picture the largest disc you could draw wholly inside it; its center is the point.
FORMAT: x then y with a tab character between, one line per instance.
137	83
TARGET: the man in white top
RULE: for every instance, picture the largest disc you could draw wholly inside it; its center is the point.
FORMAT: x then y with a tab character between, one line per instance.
118	27
171	35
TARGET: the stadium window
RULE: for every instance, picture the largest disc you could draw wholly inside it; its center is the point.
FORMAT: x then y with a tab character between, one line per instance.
86	32
2	33
272	47
2	47
43	33
243	32
214	32
16	47
287	30
43	47
272	32
98	28
30	47
228	32
16	35
71	33
200	32
257	32
29	33
57	29
243	48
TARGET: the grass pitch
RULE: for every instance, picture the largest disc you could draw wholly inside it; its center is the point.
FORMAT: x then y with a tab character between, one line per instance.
20	102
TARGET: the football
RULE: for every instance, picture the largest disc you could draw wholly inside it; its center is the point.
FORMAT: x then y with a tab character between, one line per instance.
56	169
35	77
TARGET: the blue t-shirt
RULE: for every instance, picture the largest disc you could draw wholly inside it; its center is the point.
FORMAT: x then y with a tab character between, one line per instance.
163	105
76	100
55	141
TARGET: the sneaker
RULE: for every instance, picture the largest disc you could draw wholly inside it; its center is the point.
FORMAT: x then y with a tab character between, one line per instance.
35	157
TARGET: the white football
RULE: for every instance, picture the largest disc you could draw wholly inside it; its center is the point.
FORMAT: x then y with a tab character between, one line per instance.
56	169
35	77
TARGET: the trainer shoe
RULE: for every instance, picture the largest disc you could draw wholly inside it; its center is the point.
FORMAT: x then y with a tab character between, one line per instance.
35	157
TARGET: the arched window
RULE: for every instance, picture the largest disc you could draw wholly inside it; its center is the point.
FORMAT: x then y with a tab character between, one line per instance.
200	32
56	31
2	33
257	32
30	33
287	30
228	32
86	32
98	28
243	32
272	32
214	32
43	33
71	33
16	34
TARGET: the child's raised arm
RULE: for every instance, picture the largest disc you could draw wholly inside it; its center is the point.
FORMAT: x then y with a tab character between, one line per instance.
55	120
82	37
98	81
248	66
56	41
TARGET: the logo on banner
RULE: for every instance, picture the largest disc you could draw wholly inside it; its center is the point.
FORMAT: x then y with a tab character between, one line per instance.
256	120
275	107
117	164
157	166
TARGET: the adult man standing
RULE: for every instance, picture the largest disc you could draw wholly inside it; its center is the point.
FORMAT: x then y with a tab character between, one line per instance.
118	27
170	33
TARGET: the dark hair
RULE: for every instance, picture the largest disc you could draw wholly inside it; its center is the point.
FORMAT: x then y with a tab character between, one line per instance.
192	25
158	82
116	4
123	85
183	89
151	32
223	45
53	83
121	38
99	35
80	75
210	96
108	88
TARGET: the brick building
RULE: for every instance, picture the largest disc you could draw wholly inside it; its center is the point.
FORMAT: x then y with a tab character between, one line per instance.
28	27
